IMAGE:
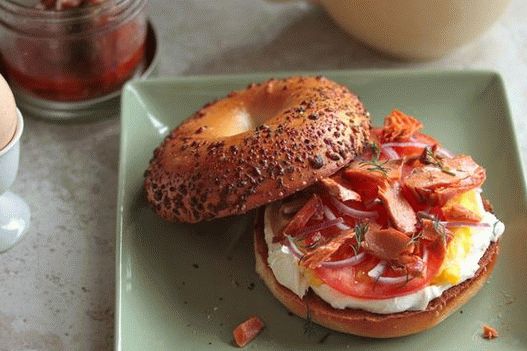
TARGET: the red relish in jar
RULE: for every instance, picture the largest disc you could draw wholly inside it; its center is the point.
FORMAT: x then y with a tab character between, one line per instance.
72	50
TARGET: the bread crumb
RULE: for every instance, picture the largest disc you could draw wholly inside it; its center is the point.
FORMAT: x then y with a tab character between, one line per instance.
489	332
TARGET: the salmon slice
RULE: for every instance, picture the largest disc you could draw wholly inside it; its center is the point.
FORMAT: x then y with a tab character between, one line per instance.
247	331
387	244
322	253
300	219
399	126
378	172
367	178
433	231
387	187
460	213
402	215
435	185
337	190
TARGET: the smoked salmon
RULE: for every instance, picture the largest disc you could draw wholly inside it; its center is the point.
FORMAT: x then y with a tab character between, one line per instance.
386	244
399	126
436	184
300	219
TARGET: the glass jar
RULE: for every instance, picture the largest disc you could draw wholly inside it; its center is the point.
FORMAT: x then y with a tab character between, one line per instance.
74	55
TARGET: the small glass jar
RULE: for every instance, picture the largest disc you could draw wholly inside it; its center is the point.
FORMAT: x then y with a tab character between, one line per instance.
71	56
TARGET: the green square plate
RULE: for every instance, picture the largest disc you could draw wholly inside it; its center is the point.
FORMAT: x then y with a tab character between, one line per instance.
184	287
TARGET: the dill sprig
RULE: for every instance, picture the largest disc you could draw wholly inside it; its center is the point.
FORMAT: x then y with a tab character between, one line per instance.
430	157
415	237
375	165
440	229
408	277
438	226
360	231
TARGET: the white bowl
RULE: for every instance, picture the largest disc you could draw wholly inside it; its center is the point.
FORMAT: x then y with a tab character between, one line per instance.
415	29
14	212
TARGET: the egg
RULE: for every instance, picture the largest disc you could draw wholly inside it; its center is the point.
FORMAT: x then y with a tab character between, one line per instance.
461	243
458	249
8	116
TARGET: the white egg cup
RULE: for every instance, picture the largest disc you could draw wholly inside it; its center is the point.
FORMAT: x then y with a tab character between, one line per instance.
14	212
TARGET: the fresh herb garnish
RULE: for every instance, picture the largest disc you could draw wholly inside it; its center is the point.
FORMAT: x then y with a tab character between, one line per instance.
408	277
440	229
415	237
360	231
374	165
429	157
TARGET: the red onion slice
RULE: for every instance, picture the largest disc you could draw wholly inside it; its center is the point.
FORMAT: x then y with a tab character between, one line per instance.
423	214
353	212
330	215
405	144
444	152
440	150
378	270
319	227
293	248
392	280
351	261
390	152
466	224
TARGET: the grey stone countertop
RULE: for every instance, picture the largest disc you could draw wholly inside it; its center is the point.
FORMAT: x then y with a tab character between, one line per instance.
57	285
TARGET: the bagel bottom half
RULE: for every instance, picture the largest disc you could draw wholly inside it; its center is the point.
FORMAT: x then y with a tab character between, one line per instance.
363	323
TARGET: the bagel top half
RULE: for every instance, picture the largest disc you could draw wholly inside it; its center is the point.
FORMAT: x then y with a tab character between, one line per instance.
254	147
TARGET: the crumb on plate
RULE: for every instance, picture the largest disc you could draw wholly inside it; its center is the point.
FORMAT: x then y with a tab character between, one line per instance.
489	332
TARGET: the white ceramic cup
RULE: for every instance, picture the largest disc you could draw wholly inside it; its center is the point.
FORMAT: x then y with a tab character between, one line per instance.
14	212
415	29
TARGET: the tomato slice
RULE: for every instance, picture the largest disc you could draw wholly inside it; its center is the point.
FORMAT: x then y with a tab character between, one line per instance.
354	280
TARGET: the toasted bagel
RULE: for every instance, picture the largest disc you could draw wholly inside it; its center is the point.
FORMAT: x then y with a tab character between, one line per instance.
255	146
363	323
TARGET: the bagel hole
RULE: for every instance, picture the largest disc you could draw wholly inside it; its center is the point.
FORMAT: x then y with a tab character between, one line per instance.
265	108
248	115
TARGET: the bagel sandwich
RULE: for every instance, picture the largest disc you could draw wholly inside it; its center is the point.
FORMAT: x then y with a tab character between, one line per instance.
374	232
390	245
